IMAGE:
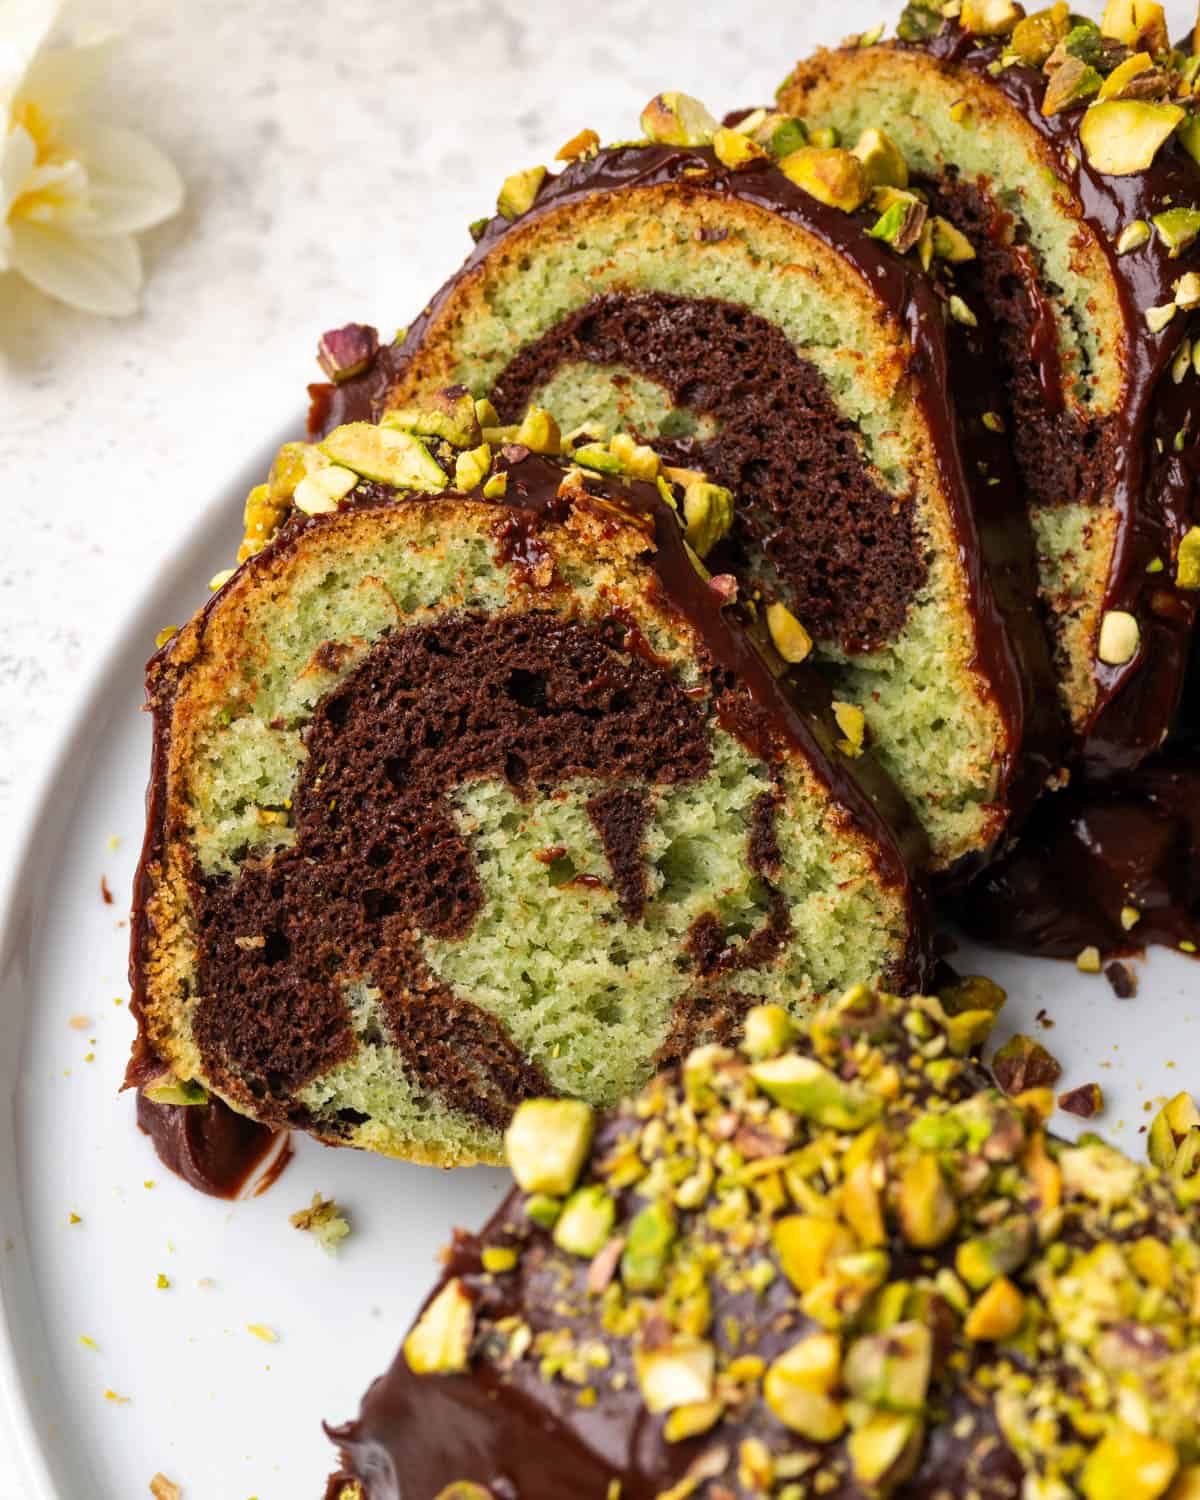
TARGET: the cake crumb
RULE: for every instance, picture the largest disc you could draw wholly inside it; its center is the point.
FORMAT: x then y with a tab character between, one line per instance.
105	894
80	1023
1087	1101
163	1489
1123	981
325	1220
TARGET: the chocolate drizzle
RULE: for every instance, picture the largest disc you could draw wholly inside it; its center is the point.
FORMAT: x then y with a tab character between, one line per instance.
988	518
212	1148
1153	483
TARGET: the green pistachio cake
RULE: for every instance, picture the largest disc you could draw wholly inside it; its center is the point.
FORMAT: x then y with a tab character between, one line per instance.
472	783
780	317
1065	150
833	1264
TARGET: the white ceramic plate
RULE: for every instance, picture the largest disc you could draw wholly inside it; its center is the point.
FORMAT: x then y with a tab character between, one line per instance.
212	1406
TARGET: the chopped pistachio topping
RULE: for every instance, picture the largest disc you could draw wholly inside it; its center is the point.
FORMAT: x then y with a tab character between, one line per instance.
787	634
325	1221
829	174
1123	136
518	192
1135	234
675	119
1120	637
912	1233
547	1143
1187	560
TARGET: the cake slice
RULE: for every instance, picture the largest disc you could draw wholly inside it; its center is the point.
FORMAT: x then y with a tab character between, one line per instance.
760	309
1065	151
837	1264
469	786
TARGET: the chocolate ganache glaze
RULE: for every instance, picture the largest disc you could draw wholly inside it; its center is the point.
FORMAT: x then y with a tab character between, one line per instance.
761	708
1149	456
994	541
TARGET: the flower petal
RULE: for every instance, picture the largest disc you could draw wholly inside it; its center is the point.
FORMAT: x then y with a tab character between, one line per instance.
18	157
63	80
132	185
26	26
101	276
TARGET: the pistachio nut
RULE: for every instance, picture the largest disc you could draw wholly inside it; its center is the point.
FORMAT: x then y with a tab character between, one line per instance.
440	1343
547	1143
707	515
831	175
997	1315
471	468
1128	1465
1035	37
1177	228
519	191
809	1089
805	1246
1187	560
448	414
734	150
1122	136
539	432
384	455
648	1245
927	1211
796	1387
1120	637
882	159
675	119
345	352
767	1031
891	1369
679	1374
787	634
1069	84
1140	24
586	1221
884	1449
990	17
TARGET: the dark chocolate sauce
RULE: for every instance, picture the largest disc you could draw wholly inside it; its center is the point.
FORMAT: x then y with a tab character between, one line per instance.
989	519
1154	486
213	1149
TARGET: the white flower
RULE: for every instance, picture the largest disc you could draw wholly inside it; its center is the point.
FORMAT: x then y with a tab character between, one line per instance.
73	190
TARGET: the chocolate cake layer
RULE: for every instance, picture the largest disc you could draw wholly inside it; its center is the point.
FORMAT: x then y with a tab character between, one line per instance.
844	547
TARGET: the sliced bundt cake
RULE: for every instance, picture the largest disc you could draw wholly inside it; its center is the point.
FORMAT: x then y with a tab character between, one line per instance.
468	787
754	315
1065	152
836	1266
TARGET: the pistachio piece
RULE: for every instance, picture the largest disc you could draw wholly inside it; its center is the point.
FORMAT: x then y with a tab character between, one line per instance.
852	722
676	119
995	1253
171	1090
1140	24
734	150
972	992
384	455
883	1450
647	1248
1120	637
1099	1173
902	220
832	176
805	1246
787	634
638	460
547	1143
543	1209
919	23
596	456
1023	1063
345	352
1171	1124
496	487
1177	228
586	1221
990	17
807	1088
707	515
318	493
579	145
1035	38
1135	234
767	1031
1187	290
891	1369
471	469
925	1205
461	1489
997	1315
497	1259
1085	1102
950	243
539	432
861	1201
680	1374
1187	560
1185	1169
961	313
440	1343
1128	1465
448	414
519	192
780	134
690	1421
1123	74
325	1220
1073	82
1157	318
1189	136
1122	136
796	1388
882	160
